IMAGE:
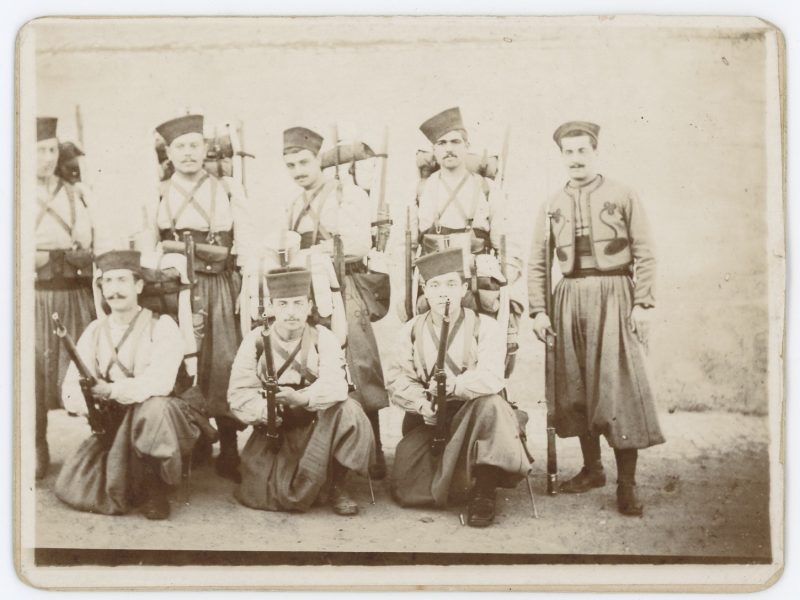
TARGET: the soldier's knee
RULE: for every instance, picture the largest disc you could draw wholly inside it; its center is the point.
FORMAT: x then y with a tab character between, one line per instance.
490	403
154	407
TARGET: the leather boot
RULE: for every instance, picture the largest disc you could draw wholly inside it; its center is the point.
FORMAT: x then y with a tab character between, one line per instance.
481	507
201	453
584	481
42	459
340	500
628	501
227	464
156	506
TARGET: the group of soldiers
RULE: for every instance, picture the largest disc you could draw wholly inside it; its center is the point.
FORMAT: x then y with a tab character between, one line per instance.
302	368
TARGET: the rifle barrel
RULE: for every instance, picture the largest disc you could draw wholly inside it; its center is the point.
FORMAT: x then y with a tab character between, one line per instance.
550	367
440	433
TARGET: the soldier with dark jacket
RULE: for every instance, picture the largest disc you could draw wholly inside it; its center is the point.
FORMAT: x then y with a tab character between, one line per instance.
602	309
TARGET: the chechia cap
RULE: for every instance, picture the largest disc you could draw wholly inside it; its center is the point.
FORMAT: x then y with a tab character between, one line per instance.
439	263
576	127
45	128
446	121
119	259
175	128
300	137
289	282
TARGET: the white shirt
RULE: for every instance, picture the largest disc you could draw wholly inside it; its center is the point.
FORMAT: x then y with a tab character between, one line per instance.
406	372
153	352
325	361
350	216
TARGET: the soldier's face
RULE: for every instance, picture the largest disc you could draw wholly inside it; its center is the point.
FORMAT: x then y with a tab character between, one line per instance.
438	290
187	153
579	157
121	289
46	157
450	150
291	313
304	167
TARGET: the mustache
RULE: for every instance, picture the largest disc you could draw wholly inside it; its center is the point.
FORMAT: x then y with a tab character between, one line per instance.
576	165
115	297
450	155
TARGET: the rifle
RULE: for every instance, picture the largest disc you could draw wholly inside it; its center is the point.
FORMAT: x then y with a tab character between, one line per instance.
550	367
384	221
195	299
268	391
440	376
409	265
101	414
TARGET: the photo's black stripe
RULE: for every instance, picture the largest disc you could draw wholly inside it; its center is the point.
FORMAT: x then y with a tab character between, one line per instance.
61	557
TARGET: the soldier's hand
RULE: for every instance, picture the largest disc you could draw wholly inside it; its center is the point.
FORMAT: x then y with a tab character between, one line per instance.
542	326
428	415
289	397
450	387
102	390
640	324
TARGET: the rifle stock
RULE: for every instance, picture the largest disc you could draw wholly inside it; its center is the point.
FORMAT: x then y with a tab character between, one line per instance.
550	368
98	412
338	264
268	391
440	376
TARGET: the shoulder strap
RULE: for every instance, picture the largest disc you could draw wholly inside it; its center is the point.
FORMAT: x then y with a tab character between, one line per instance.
226	187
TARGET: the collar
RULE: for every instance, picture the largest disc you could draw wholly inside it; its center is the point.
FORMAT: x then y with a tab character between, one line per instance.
589	186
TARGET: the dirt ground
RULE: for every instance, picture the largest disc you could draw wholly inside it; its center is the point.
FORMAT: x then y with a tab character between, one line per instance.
705	493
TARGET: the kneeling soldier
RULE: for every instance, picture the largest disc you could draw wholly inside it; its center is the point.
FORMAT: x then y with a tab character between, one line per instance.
305	443
135	356
483	448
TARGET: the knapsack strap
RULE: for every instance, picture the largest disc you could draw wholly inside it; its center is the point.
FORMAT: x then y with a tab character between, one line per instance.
451	198
316	215
188	200
46	209
114	360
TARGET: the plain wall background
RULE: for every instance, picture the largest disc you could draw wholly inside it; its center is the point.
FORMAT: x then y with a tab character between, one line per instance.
682	116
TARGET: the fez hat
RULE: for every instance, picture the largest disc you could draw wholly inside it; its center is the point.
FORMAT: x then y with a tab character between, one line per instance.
300	137
45	128
445	121
119	259
175	128
439	263
576	128
289	282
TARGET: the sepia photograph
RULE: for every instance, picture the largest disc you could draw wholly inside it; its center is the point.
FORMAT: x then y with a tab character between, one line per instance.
360	302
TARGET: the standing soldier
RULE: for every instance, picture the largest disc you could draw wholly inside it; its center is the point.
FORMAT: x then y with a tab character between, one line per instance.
194	201
482	447
307	433
324	209
134	356
458	207
63	276
602	310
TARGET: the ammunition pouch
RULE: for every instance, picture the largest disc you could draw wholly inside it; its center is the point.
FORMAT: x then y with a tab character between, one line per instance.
210	259
162	288
466	239
375	290
65	269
